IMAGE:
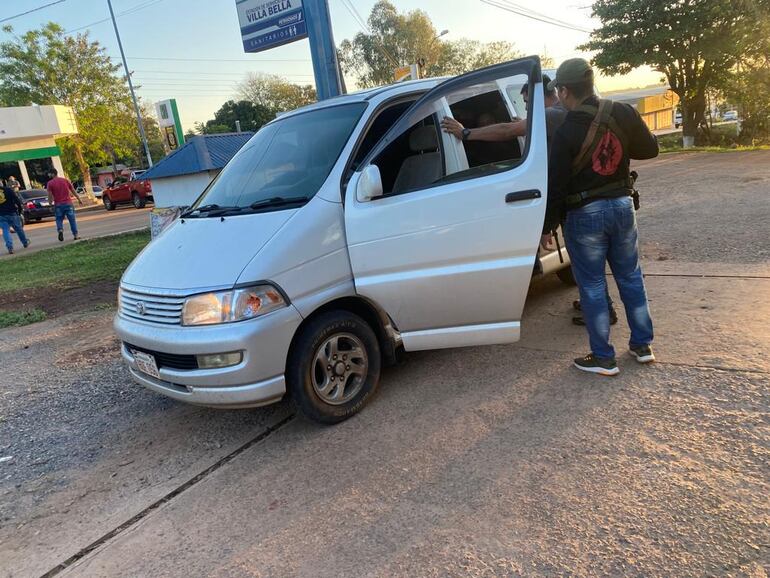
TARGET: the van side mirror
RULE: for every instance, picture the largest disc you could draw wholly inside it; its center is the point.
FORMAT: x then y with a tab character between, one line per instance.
369	185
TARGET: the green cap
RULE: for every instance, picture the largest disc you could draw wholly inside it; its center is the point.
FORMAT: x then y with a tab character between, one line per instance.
572	71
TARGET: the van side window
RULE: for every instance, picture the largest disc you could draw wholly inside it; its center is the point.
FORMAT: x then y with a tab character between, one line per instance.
414	160
379	127
423	155
483	110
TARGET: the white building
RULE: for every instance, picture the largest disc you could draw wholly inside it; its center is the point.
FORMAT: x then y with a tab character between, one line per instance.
28	136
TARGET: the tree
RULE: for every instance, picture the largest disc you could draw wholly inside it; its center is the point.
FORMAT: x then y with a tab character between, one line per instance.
210	127
400	39
274	93
252	116
47	67
694	43
749	87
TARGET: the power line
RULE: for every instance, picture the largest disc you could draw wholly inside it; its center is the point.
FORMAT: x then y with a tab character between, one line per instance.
136	8
527	13
31	11
245	60
141	72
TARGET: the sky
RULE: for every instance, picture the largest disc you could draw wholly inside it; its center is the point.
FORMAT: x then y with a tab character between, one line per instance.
191	50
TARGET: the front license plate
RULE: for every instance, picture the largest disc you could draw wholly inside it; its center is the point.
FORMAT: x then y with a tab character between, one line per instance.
146	364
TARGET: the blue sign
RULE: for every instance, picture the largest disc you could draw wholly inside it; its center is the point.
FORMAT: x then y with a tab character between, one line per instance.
269	23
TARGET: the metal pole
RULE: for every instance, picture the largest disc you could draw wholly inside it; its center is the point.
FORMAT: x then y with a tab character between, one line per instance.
131	87
322	49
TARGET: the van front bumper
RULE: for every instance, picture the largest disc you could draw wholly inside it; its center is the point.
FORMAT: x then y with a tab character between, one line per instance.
257	380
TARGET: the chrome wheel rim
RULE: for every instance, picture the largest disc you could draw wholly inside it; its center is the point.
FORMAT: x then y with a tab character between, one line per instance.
339	368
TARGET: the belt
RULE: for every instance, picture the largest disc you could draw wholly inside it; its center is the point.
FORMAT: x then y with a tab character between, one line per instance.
622	188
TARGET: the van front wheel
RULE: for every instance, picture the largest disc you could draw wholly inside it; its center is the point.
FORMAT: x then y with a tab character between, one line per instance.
334	367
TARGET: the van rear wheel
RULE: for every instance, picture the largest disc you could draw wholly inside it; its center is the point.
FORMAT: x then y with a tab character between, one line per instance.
334	367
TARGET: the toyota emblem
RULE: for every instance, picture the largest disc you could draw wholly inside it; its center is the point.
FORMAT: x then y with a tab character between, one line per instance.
141	309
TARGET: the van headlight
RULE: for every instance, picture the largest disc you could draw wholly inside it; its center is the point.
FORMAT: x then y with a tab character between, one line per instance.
231	306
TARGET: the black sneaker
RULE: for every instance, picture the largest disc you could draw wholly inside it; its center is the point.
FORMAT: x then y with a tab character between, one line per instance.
598	365
10	251
61	235
27	244
643	353
578	319
76	238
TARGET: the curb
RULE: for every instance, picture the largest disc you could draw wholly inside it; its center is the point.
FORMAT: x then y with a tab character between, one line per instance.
89	209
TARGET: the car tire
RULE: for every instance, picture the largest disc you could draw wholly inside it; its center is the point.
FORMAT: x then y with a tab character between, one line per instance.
108	204
138	201
334	367
38	219
565	276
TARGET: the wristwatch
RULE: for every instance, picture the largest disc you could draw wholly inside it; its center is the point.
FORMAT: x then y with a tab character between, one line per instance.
466	133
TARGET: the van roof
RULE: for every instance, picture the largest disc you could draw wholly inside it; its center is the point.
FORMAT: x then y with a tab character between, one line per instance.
369	94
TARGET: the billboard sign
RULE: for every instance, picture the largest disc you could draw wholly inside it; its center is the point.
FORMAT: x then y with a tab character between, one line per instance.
266	24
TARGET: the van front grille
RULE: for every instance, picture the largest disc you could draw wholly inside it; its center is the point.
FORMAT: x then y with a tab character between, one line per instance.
151	308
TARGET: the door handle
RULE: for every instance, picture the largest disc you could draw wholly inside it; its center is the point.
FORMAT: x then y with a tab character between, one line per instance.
523	196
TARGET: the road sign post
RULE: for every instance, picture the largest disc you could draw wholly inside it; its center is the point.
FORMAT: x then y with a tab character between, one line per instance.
322	49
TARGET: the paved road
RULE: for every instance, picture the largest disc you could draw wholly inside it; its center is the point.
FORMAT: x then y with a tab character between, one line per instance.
487	461
90	225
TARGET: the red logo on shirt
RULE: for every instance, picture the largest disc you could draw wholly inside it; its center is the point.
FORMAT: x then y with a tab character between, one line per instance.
607	155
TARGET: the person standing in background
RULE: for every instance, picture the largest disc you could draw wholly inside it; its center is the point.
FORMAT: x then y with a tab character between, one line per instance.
60	191
10	209
13	184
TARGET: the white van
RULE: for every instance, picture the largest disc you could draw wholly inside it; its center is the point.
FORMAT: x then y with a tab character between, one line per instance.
339	235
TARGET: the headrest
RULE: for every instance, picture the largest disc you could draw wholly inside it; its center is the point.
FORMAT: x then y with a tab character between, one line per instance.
423	139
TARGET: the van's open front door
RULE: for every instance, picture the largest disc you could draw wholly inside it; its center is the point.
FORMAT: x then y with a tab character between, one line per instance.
446	251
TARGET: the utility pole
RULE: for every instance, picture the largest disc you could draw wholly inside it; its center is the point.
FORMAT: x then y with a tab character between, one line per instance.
131	87
322	49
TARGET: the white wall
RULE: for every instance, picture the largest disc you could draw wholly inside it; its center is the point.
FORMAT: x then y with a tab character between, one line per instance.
180	191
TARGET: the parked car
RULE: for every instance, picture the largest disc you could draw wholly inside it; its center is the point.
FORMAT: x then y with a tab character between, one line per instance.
95	188
340	235
730	115
123	191
36	205
677	119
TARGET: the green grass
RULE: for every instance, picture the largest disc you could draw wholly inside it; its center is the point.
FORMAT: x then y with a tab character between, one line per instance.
724	140
73	265
19	318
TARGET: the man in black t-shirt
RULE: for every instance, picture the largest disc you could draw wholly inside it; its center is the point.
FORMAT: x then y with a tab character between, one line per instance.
589	190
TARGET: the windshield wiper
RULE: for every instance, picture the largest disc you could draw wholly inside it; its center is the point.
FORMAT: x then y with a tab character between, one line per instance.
221	211
201	209
277	201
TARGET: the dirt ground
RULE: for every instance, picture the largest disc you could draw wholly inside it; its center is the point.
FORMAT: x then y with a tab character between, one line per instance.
489	461
56	301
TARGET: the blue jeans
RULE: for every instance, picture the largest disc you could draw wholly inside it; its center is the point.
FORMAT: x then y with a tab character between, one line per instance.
605	231
8	221
61	211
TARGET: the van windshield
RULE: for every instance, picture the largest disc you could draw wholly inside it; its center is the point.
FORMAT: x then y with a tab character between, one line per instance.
283	165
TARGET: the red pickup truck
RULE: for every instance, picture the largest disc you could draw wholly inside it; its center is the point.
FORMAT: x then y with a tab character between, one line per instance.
123	191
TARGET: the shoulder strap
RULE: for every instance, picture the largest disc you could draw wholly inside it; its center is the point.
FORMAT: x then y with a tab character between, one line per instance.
601	121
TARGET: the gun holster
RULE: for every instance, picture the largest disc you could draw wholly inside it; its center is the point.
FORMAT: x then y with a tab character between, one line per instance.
635	194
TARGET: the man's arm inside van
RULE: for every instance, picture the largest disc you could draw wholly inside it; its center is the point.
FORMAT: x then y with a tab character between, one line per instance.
493	133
